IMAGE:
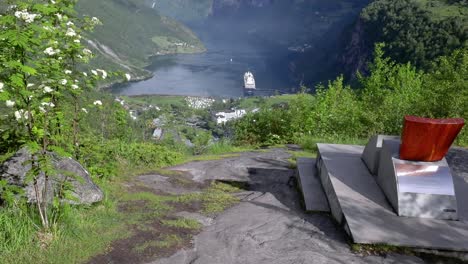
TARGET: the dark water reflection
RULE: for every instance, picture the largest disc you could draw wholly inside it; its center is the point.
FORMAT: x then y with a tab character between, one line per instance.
213	73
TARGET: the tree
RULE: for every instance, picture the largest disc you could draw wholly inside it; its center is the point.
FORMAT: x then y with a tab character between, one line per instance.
40	53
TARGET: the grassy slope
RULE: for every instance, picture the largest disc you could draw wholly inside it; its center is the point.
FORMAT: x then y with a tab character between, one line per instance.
442	10
186	10
129	28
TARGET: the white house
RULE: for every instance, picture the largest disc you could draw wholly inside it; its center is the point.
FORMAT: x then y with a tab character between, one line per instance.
223	117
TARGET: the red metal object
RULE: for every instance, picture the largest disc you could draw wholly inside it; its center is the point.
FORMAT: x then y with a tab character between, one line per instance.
427	139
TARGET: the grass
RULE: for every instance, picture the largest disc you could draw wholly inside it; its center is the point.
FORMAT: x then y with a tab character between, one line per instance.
215	199
88	233
251	103
166	242
299	154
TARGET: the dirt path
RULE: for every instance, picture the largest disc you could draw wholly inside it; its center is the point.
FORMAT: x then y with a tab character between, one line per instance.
263	223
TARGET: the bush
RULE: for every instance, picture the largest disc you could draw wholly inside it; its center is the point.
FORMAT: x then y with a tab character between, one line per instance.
339	113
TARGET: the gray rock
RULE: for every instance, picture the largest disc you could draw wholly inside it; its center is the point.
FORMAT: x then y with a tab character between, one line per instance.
268	225
69	171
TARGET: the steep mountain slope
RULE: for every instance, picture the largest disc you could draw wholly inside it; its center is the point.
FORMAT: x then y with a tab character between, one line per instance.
132	31
184	10
415	31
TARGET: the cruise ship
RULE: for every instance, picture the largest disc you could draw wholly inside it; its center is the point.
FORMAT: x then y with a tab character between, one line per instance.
249	82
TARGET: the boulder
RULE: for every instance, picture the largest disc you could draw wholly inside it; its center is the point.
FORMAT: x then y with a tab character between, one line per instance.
69	171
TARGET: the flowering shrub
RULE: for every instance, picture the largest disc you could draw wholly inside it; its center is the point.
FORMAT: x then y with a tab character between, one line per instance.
40	51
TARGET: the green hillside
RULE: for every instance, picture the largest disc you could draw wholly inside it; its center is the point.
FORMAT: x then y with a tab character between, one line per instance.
417	30
185	10
132	31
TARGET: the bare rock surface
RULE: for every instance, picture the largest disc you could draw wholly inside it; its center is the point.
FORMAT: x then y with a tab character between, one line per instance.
84	190
269	225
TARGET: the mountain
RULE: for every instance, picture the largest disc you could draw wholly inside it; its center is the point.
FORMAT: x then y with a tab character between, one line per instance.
132	32
415	31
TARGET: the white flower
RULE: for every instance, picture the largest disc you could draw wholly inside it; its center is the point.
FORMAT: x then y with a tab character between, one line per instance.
104	73
94	72
70	32
74	86
95	21
42	109
47	28
76	41
63	82
59	16
69	23
52	1
87	52
9	103
47	89
51	51
48	104
128	77
84	110
19	115
68	72
85	74
1	87
30	85
25	16
97	102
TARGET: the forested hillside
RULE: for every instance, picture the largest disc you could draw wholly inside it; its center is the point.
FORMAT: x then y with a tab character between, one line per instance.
415	31
132	31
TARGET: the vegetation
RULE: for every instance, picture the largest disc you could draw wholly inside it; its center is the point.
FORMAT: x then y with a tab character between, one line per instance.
132	32
417	31
341	113
50	104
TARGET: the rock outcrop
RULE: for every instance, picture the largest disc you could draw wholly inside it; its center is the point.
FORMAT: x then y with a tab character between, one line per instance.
68	172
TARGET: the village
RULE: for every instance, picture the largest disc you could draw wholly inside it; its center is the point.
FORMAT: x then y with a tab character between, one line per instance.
183	118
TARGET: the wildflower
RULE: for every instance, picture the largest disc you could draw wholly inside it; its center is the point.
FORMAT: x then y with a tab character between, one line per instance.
95	21
85	74
74	86
76	40
51	51
30	85
87	52
63	82
47	89
70	32
52	1
51	105
97	102
94	72
104	73
128	77
25	16
84	110
59	16
68	72
9	103
42	109
1	87
69	23
20	114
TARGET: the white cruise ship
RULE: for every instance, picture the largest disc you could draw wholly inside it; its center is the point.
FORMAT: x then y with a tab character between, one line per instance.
249	81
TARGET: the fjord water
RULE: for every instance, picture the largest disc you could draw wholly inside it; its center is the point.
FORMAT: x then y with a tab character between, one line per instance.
213	73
